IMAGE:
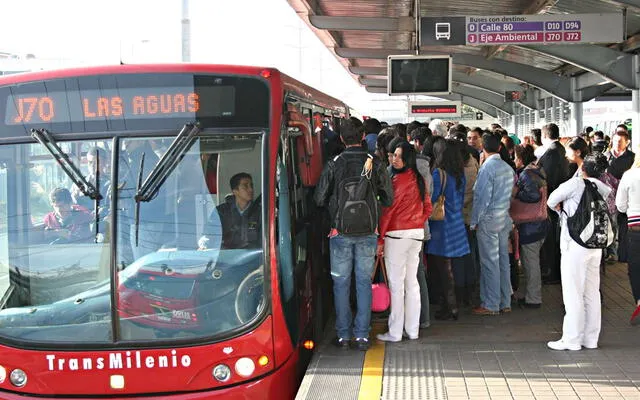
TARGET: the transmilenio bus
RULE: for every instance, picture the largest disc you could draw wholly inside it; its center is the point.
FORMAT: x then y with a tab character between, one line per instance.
120	273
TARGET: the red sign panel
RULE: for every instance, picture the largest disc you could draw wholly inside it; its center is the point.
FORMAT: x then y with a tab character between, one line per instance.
431	109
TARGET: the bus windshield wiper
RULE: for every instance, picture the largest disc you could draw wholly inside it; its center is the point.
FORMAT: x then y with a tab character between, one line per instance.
96	207
45	139
161	171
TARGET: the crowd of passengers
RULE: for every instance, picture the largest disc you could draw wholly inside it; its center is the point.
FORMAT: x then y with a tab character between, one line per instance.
486	212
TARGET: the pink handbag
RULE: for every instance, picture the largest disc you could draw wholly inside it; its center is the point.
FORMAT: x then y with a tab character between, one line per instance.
522	212
380	295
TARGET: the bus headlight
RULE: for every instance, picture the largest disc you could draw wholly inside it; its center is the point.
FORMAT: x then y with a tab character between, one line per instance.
18	378
245	367
221	372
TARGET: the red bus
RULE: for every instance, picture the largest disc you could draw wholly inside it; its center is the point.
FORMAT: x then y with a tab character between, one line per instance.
157	236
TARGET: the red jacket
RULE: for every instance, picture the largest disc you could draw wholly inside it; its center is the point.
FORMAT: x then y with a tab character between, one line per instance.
407	210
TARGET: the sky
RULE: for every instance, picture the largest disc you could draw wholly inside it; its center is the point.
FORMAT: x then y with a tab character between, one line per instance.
246	32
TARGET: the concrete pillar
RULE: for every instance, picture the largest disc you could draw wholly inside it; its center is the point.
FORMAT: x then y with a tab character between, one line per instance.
635	119
576	118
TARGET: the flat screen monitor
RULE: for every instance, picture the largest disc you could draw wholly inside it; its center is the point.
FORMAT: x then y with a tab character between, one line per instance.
428	75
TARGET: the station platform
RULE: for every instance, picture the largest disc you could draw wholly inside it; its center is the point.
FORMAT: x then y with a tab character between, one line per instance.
489	357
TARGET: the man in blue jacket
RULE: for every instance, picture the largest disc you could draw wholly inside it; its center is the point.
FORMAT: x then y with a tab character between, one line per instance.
490	218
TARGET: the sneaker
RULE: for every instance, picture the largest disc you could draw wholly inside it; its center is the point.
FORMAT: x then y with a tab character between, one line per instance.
341	343
484	311
560	345
635	317
505	310
386	337
361	343
590	346
425	325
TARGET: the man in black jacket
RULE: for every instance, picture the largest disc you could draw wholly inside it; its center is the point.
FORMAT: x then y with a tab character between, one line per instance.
352	250
556	166
620	160
240	219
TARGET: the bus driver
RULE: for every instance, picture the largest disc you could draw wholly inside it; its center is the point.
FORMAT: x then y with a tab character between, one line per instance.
240	217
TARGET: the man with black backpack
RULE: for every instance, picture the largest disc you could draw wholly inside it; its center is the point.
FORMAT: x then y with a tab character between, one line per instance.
355	186
585	231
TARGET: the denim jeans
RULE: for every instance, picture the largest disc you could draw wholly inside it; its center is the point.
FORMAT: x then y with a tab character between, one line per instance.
495	271
425	318
348	252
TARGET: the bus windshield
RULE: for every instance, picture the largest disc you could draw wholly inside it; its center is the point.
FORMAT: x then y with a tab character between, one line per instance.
185	263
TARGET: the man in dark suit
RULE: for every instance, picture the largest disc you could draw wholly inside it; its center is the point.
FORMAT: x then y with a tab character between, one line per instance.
620	160
556	167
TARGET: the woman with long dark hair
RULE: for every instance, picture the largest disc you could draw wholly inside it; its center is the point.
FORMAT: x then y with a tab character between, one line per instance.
448	236
400	241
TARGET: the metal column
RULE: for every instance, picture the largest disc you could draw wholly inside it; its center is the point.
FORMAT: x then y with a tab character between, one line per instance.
635	119
576	118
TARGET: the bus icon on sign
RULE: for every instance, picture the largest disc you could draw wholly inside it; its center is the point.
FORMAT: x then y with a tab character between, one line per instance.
443	30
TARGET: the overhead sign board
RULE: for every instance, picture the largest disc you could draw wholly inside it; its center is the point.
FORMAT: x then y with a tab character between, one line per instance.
436	109
522	29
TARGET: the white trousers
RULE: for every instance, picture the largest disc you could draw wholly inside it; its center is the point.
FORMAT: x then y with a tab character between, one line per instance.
401	257
580	268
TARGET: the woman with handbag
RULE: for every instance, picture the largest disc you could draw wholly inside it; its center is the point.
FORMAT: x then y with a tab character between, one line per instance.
529	213
448	233
401	232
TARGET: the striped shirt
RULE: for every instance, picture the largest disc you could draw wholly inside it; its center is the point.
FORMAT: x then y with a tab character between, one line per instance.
628	196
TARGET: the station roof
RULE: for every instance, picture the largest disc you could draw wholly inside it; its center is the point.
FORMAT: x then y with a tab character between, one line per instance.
363	33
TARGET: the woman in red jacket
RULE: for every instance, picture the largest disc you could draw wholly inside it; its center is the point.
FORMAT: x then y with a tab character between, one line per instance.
400	241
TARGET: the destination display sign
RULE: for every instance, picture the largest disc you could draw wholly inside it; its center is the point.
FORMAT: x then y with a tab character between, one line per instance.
522	29
435	109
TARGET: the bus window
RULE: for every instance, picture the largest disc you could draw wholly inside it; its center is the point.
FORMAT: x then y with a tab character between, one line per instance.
192	259
56	267
4	231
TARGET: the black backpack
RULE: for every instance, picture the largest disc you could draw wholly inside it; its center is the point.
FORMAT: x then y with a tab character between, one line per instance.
590	226
357	207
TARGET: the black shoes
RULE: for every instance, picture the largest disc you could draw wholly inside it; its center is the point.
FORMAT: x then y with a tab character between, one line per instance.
341	343
523	304
444	315
361	344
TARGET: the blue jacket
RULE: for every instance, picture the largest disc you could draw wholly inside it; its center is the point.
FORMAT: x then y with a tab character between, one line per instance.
492	194
530	180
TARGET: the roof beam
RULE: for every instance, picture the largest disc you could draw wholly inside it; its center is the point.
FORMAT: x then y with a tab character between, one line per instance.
489	98
615	66
496	86
401	24
470	101
630	3
558	86
477	104
381	71
379	54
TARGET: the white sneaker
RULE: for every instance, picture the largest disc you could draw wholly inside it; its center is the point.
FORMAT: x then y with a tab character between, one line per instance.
589	346
560	345
386	337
